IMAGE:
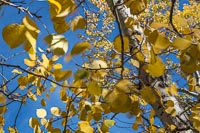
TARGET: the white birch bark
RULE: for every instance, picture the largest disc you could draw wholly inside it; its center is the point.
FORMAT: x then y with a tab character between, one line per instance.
181	121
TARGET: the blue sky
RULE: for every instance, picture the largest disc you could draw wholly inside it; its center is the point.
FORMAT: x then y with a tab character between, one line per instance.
11	16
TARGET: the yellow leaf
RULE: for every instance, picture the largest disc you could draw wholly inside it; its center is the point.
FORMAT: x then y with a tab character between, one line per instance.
3	109
81	74
109	123
57	66
67	7
148	95
29	63
2	98
180	21
135	126
159	41
55	111
12	130
78	23
32	96
151	117
181	43
43	102
85	127
57	5
13	35
135	63
16	71
192	83
157	25
156	69
45	61
137	6
172	127
41	113
30	25
118	43
98	64
58	44
129	22
60	25
2	122
80	47
63	94
172	90
33	122
124	85
94	88
30	45
22	81
61	75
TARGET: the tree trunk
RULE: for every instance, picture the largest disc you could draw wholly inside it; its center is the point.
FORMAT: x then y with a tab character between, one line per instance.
181	120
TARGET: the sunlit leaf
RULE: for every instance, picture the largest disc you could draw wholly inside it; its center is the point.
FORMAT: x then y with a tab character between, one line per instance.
30	25
109	123
60	25
2	98
94	88
3	109
148	95
13	35
61	75
155	69
67	7
12	130
30	63
137	6
55	111
124	85
33	122
118	43
2	121
172	90
57	5
41	113
85	127
97	64
181	43
78	23
80	48
57	43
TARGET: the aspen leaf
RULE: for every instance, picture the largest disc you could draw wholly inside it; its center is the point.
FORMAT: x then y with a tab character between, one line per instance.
55	111
61	26
172	90
2	121
156	69
67	7
80	48
43	102
135	126
159	41
30	63
56	4
57	43
3	109
16	71
85	127
22	81
148	95
192	83
57	66
33	122
61	75
30	25
41	113
78	23
181	43
30	44
13	35
129	22
2	98
32	96
63	94
118	43
12	130
94	88
81	74
109	123
137	6
124	85
97	64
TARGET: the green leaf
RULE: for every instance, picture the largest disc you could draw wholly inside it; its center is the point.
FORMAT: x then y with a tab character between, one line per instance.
57	43
13	35
80	47
78	23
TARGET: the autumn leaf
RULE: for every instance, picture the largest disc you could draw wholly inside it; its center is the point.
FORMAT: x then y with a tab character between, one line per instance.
78	23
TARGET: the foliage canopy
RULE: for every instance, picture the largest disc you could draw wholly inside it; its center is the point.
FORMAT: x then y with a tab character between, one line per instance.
137	57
